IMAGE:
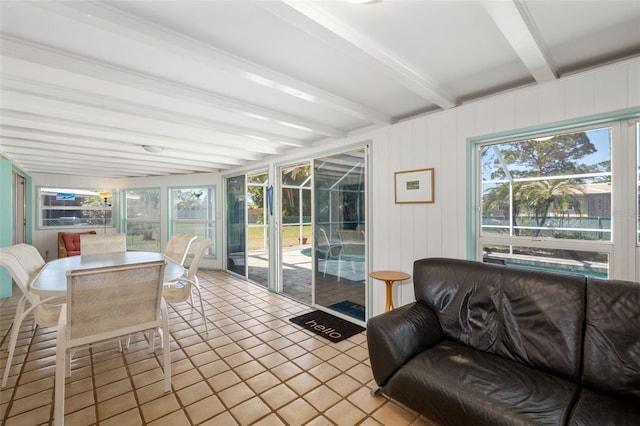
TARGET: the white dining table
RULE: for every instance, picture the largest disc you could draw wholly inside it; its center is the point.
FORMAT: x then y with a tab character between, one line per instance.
52	278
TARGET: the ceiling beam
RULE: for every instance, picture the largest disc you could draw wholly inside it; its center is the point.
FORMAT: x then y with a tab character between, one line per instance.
48	57
400	70
518	26
108	17
20	119
58	141
47	105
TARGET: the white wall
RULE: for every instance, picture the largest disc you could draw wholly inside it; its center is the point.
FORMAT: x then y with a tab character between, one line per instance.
402	233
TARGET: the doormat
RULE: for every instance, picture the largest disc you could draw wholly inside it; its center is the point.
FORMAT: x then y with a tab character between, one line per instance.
326	325
347	307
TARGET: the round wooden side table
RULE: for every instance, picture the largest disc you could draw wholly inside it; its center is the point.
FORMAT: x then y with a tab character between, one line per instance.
389	277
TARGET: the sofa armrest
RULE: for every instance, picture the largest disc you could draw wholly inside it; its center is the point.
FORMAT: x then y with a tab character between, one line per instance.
398	335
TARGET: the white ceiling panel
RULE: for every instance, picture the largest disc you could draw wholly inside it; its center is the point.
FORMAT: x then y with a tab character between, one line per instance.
221	84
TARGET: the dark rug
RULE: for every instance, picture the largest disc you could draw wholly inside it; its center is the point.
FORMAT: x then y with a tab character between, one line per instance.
326	325
347	307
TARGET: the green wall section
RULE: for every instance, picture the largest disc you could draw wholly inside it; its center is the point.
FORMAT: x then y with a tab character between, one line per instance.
6	220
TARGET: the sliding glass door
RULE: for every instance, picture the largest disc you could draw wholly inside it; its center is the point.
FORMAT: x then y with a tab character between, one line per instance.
258	227
295	231
248	226
340	242
236	226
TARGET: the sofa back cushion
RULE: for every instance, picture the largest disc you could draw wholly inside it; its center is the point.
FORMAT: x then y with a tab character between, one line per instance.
532	317
464	295
541	320
612	338
71	241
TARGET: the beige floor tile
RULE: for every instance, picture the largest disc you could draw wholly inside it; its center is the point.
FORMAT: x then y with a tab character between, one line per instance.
254	367
297	412
205	409
345	413
303	383
131	417
194	393
322	398
159	407
236	394
250	411
278	396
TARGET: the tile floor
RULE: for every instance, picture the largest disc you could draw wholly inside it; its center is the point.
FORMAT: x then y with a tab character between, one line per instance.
253	368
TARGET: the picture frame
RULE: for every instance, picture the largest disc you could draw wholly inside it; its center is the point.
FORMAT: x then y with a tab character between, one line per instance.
414	186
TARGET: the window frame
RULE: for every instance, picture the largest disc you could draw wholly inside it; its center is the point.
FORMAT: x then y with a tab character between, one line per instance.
211	223
622	248
125	220
68	189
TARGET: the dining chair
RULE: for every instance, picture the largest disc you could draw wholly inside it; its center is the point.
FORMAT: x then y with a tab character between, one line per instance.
105	303
181	289
178	247
23	262
96	244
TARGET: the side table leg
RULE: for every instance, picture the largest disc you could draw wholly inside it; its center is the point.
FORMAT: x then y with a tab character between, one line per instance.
389	305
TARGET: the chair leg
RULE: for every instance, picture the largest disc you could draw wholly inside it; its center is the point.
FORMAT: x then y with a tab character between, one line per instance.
166	351
61	366
20	315
204	318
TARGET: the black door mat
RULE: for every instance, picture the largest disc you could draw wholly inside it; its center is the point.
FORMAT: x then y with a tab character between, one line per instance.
326	325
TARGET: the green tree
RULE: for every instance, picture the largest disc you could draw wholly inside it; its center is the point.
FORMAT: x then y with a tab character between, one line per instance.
556	156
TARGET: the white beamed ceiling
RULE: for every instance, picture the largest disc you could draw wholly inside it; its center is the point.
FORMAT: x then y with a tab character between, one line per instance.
221	84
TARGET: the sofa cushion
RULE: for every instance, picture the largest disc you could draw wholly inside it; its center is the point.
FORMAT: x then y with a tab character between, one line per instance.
533	317
612	338
596	409
72	242
457	385
464	295
542	320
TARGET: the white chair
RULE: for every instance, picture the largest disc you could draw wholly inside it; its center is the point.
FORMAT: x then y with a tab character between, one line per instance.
181	289
96	244
328	248
353	247
103	304
24	262
178	247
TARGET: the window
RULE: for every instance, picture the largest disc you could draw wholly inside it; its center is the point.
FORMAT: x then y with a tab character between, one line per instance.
142	218
193	212
546	200
65	207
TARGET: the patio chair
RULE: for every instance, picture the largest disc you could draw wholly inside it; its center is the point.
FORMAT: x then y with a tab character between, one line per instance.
96	244
103	304
181	289
353	247
328	249
23	262
178	247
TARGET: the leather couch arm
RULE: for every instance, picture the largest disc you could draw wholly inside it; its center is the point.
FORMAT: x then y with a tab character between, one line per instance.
396	336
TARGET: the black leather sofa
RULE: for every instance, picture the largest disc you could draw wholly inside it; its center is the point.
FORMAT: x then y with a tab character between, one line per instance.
494	345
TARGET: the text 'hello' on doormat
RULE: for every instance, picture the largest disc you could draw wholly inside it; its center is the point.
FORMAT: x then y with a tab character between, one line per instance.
326	325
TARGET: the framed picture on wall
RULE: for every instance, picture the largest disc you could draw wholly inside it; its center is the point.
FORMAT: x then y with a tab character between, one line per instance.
414	186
